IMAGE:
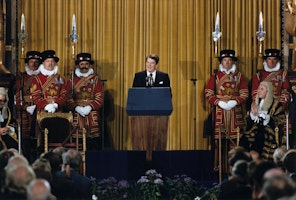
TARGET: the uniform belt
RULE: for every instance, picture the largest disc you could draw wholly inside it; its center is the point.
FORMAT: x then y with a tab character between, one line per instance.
28	98
84	102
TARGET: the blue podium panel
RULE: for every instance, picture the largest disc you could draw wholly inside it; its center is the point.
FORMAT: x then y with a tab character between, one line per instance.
149	101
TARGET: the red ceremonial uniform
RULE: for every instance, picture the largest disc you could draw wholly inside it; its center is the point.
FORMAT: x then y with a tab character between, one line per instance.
86	91
23	99
49	89
228	87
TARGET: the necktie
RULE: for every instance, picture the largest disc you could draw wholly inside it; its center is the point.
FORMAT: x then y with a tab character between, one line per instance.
151	80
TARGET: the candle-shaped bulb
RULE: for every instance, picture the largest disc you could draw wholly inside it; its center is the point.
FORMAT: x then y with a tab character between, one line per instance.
23	23
260	22
73	36
216	34
74	24
217	21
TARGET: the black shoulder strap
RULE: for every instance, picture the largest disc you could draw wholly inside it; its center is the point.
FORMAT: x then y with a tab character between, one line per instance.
215	75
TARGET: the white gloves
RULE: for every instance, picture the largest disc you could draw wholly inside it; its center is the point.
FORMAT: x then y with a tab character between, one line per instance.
255	118
224	105
83	111
227	106
30	109
51	107
262	115
232	103
86	110
55	105
79	109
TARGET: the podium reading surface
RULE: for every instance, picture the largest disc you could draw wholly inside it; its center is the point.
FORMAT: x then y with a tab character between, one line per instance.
149	101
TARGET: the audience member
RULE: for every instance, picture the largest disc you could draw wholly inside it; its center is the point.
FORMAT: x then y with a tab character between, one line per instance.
256	175
278	155
17	180
16	160
42	169
59	150
238	153
289	164
39	189
72	161
61	187
255	156
272	172
5	154
277	187
236	187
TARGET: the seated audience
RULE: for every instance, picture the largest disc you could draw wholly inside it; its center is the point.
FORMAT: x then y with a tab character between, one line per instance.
17	160
277	187
42	169
17	180
5	154
236	187
72	161
61	187
289	164
279	154
256	177
39	189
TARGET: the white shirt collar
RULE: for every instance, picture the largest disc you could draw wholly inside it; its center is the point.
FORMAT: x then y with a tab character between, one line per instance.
153	74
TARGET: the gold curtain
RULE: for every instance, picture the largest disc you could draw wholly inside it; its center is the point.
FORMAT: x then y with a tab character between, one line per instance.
120	33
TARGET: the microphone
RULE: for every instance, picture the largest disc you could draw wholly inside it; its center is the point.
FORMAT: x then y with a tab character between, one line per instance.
149	81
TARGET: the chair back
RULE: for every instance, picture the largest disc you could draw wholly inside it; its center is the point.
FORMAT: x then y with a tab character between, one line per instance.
59	125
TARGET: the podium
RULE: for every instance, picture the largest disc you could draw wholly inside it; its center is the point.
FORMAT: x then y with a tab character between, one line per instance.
149	110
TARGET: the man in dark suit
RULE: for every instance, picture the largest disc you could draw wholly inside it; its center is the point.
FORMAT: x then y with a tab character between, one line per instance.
151	77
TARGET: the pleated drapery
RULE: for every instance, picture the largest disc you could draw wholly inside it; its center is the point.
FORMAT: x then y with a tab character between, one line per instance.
120	33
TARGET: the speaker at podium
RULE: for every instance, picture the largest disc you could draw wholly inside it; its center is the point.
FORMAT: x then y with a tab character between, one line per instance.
149	109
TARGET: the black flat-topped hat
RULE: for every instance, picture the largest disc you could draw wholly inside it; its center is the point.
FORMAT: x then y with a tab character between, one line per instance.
227	53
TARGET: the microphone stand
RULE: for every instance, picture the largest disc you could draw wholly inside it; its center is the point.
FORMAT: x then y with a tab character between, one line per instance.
103	118
194	104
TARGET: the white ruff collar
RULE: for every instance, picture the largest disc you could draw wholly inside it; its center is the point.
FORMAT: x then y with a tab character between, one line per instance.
231	70
79	74
46	72
275	69
31	72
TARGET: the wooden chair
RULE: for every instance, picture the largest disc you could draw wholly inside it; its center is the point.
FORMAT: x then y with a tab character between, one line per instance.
58	130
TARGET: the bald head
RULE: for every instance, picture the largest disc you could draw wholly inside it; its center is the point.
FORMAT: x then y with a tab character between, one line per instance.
17	160
39	189
18	178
